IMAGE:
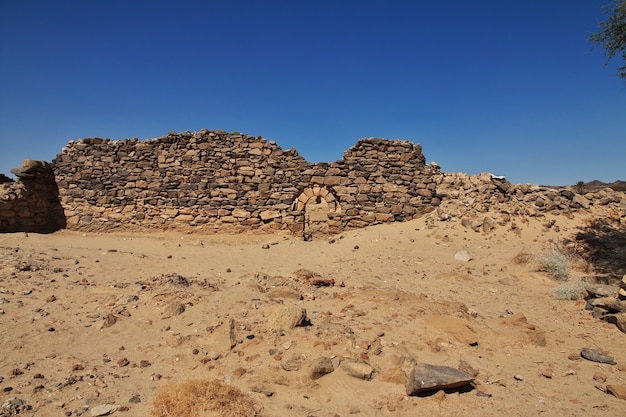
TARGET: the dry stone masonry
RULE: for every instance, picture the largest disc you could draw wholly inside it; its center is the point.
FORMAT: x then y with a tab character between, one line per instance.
219	182
30	204
230	182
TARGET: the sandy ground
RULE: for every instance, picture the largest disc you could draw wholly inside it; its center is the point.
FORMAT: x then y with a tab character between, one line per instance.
400	298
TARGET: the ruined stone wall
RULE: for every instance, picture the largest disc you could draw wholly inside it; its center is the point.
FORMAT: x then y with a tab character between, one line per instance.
30	204
216	181
219	182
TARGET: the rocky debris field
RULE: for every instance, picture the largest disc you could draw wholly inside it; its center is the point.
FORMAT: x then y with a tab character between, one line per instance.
426	317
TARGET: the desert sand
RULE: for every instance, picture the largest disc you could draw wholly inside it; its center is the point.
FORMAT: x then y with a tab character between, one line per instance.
92	319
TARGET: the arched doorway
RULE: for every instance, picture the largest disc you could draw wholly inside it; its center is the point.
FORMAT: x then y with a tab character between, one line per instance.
317	203
316	216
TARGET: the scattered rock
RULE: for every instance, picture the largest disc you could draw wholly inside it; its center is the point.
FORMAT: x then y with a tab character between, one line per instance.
618	320
547	373
618	391
518	377
104	410
600	377
109	321
425	378
294	363
595	356
286	317
13	406
358	370
174	309
462	256
600	290
320	367
223	338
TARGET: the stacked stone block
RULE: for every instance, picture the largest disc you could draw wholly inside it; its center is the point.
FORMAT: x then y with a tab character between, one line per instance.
229	182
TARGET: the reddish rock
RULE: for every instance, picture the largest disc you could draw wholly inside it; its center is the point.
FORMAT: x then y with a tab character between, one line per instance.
619	391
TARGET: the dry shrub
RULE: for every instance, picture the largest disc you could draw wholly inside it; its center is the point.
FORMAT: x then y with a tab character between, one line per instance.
203	398
555	263
523	258
573	290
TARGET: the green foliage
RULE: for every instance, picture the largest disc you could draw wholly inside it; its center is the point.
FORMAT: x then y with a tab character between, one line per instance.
612	35
580	187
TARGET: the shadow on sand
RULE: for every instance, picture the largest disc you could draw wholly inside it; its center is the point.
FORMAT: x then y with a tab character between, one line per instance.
603	244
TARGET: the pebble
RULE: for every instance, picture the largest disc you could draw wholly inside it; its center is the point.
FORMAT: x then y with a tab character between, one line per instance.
518	377
600	377
547	373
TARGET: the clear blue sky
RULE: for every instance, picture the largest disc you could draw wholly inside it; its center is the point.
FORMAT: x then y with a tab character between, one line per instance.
509	87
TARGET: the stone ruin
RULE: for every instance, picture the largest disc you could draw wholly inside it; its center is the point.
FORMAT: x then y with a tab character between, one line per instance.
30	204
219	182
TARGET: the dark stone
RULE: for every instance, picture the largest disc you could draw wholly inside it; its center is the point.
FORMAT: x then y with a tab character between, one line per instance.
595	356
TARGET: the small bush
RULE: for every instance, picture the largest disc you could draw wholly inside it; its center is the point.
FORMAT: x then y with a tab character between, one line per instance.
555	263
570	291
202	398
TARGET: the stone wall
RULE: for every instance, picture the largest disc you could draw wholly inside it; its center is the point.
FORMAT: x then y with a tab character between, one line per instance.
228	182
219	182
30	204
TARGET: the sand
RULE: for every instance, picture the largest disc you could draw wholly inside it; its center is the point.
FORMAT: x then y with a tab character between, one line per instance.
399	298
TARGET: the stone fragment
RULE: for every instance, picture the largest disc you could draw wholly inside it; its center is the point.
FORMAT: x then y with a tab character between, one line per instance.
580	201
294	363
618	391
109	321
462	256
600	290
223	338
595	356
599	376
320	367
104	410
425	378
617	319
174	309
358	370
283	318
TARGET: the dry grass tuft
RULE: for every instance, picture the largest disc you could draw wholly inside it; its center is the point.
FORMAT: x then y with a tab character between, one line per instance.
523	258
555	263
203	398
573	290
